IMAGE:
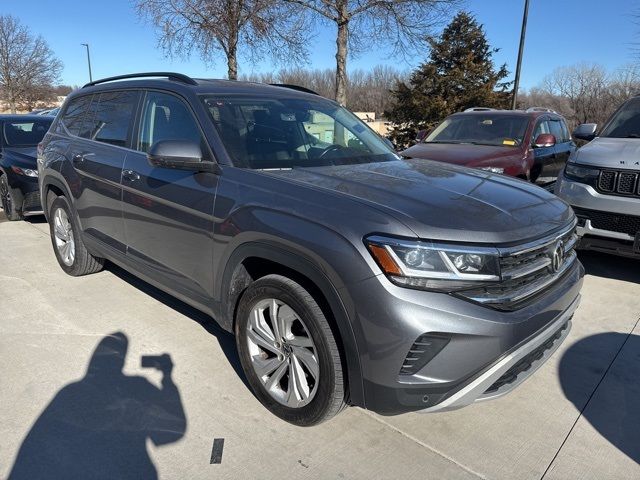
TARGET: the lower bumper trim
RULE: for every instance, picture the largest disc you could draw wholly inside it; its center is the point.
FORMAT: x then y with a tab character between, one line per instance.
477	389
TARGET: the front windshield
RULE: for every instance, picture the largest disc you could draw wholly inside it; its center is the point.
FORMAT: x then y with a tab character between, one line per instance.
481	129
625	123
282	133
25	133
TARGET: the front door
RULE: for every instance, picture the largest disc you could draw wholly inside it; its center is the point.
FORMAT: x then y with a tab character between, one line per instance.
168	213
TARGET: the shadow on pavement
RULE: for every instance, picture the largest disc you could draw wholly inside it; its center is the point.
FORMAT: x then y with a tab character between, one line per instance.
614	408
36	219
610	266
225	339
98	426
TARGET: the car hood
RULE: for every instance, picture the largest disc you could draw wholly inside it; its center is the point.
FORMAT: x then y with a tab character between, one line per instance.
618	153
462	154
444	202
20	156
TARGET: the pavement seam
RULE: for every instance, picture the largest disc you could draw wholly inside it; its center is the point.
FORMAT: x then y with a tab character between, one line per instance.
424	445
589	399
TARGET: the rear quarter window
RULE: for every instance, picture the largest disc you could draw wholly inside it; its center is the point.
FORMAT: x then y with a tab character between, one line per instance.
73	116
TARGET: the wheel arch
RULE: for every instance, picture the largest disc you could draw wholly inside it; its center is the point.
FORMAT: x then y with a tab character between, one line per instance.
50	187
254	260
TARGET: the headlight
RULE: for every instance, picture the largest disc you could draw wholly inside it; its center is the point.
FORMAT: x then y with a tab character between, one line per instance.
493	169
580	172
25	171
434	266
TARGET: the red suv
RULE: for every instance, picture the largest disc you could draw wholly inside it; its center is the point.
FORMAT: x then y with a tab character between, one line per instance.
531	144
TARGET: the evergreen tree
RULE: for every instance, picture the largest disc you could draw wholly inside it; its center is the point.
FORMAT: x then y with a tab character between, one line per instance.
459	74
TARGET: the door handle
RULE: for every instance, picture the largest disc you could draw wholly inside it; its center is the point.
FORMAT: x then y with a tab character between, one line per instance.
130	175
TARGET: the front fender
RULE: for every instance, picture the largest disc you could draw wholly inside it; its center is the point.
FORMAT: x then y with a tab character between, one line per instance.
341	306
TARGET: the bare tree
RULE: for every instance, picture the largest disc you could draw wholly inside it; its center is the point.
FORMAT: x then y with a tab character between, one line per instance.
215	27
368	91
365	24
27	64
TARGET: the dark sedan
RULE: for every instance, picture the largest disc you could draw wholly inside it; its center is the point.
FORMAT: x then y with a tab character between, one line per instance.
19	138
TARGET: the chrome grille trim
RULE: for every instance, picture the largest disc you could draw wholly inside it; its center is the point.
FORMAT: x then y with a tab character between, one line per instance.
526	270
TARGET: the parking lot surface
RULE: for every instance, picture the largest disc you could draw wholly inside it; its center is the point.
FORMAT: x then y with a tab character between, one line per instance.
577	417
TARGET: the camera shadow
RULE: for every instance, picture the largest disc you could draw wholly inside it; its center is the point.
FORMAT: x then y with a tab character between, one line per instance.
98	426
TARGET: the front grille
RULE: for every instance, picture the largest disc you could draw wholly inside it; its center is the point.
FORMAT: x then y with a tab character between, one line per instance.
613	222
607	181
528	270
619	182
31	201
526	363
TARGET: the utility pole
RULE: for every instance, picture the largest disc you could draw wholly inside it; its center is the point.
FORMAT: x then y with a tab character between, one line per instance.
520	52
88	60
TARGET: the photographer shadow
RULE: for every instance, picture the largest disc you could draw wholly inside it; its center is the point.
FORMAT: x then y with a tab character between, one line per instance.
98	426
612	409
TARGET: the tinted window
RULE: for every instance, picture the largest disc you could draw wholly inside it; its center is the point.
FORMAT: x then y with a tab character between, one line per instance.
542	127
71	121
110	117
625	123
271	133
481	129
166	117
566	136
25	134
556	131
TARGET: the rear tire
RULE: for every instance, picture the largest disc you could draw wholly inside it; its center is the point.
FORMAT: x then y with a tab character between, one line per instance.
66	238
288	352
8	201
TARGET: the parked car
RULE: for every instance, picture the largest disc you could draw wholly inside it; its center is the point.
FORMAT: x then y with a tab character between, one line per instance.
533	145
347	274
602	183
20	134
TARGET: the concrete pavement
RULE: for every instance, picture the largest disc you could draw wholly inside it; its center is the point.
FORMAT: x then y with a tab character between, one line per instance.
576	417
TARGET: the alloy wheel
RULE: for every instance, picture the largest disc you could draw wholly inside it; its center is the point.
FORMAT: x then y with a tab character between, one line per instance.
63	233
282	352
5	197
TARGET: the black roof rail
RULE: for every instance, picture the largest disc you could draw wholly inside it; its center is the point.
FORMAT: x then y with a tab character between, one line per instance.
177	77
295	87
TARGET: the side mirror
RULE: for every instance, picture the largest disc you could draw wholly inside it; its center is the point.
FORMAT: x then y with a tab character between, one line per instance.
586	131
421	135
180	155
544	140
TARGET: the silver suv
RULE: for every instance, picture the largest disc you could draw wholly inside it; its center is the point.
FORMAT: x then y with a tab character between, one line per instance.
602	183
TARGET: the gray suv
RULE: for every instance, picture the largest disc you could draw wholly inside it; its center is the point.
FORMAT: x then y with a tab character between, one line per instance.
602	183
349	276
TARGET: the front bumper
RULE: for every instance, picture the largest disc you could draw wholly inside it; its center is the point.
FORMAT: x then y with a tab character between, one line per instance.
607	223
483	343
26	193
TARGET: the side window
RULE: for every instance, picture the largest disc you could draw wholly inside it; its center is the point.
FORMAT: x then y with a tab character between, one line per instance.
166	117
566	136
542	127
556	131
74	115
110	117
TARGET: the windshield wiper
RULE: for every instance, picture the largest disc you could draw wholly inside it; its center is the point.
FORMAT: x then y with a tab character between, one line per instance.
633	135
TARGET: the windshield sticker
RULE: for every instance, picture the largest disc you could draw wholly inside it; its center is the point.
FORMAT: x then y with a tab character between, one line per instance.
288	117
508	141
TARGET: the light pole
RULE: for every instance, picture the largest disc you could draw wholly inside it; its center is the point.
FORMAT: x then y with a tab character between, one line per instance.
88	60
520	51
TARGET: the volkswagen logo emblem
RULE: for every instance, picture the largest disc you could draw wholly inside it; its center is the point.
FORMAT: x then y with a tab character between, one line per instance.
557	256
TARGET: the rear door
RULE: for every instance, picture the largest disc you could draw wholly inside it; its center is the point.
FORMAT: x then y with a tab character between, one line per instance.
97	156
168	213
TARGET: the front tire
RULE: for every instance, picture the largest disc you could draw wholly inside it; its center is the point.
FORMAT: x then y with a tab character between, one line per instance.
8	201
70	251
288	352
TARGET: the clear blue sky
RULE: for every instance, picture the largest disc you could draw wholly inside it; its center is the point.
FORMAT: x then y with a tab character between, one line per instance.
560	32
